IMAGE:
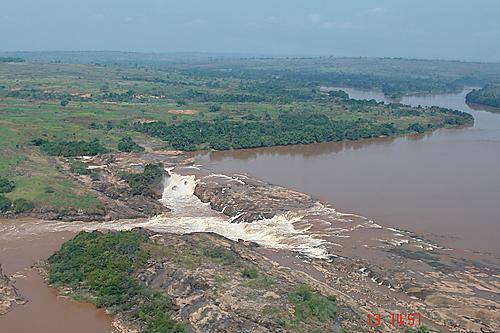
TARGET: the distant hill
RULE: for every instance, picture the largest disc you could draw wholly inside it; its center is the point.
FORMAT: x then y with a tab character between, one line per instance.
393	76
118	57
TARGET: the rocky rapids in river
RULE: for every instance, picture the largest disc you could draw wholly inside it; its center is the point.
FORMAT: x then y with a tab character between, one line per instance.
370	268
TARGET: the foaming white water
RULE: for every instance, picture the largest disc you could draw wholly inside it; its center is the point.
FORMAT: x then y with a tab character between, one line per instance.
188	214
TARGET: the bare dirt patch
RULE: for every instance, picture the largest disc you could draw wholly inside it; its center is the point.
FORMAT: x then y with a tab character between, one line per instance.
183	111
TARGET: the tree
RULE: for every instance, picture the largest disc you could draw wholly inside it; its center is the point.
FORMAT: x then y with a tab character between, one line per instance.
5	204
128	145
73	148
339	94
22	205
6	185
214	108
64	102
416	127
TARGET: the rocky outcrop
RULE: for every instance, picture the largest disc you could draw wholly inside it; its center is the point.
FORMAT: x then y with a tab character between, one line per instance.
112	191
375	267
204	276
9	297
248	200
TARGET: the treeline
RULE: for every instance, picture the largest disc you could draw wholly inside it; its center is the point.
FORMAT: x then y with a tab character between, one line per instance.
489	95
287	129
70	148
100	267
11	59
390	84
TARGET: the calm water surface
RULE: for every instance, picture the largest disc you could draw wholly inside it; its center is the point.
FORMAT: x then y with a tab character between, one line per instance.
445	185
46	311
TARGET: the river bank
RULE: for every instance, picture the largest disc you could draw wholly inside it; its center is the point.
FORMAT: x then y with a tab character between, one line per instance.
369	267
378	266
45	310
443	185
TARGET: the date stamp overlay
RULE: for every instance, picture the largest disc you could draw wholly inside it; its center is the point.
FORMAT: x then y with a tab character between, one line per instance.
398	321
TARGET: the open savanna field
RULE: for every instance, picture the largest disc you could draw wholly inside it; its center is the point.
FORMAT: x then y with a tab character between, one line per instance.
171	107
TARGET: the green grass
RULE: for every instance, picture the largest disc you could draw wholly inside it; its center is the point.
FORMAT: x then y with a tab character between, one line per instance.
262	282
43	191
249	273
36	111
310	305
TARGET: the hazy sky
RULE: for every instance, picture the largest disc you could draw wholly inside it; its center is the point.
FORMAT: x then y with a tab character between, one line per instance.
447	29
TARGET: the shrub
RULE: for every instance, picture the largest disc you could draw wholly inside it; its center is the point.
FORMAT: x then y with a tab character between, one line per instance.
416	127
421	329
38	141
49	189
141	183
221	254
312	305
214	108
22	205
126	144
94	125
261	282
79	168
5	204
6	185
249	273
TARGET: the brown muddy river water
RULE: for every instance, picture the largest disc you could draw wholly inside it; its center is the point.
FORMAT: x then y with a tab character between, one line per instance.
46	311
445	185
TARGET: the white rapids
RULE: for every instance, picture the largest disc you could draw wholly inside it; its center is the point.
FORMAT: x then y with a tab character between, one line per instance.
188	214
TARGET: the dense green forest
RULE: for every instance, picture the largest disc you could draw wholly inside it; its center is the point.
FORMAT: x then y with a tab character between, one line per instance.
142	183
71	148
100	266
489	95
289	128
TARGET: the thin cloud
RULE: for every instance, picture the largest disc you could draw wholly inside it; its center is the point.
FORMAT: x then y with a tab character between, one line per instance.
379	10
272	19
315	18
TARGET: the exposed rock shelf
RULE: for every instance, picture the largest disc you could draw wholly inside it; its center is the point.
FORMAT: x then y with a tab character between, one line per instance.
9	297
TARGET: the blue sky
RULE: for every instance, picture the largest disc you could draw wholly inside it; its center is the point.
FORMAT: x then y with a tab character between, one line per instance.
445	29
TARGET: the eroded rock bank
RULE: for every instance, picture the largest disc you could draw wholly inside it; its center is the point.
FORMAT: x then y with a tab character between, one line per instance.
214	284
378	269
248	200
9	296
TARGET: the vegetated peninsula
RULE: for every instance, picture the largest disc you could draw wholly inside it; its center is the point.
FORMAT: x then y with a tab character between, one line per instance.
489	95
54	112
191	283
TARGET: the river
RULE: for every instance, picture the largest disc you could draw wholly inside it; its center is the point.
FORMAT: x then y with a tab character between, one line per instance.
445	185
46	311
